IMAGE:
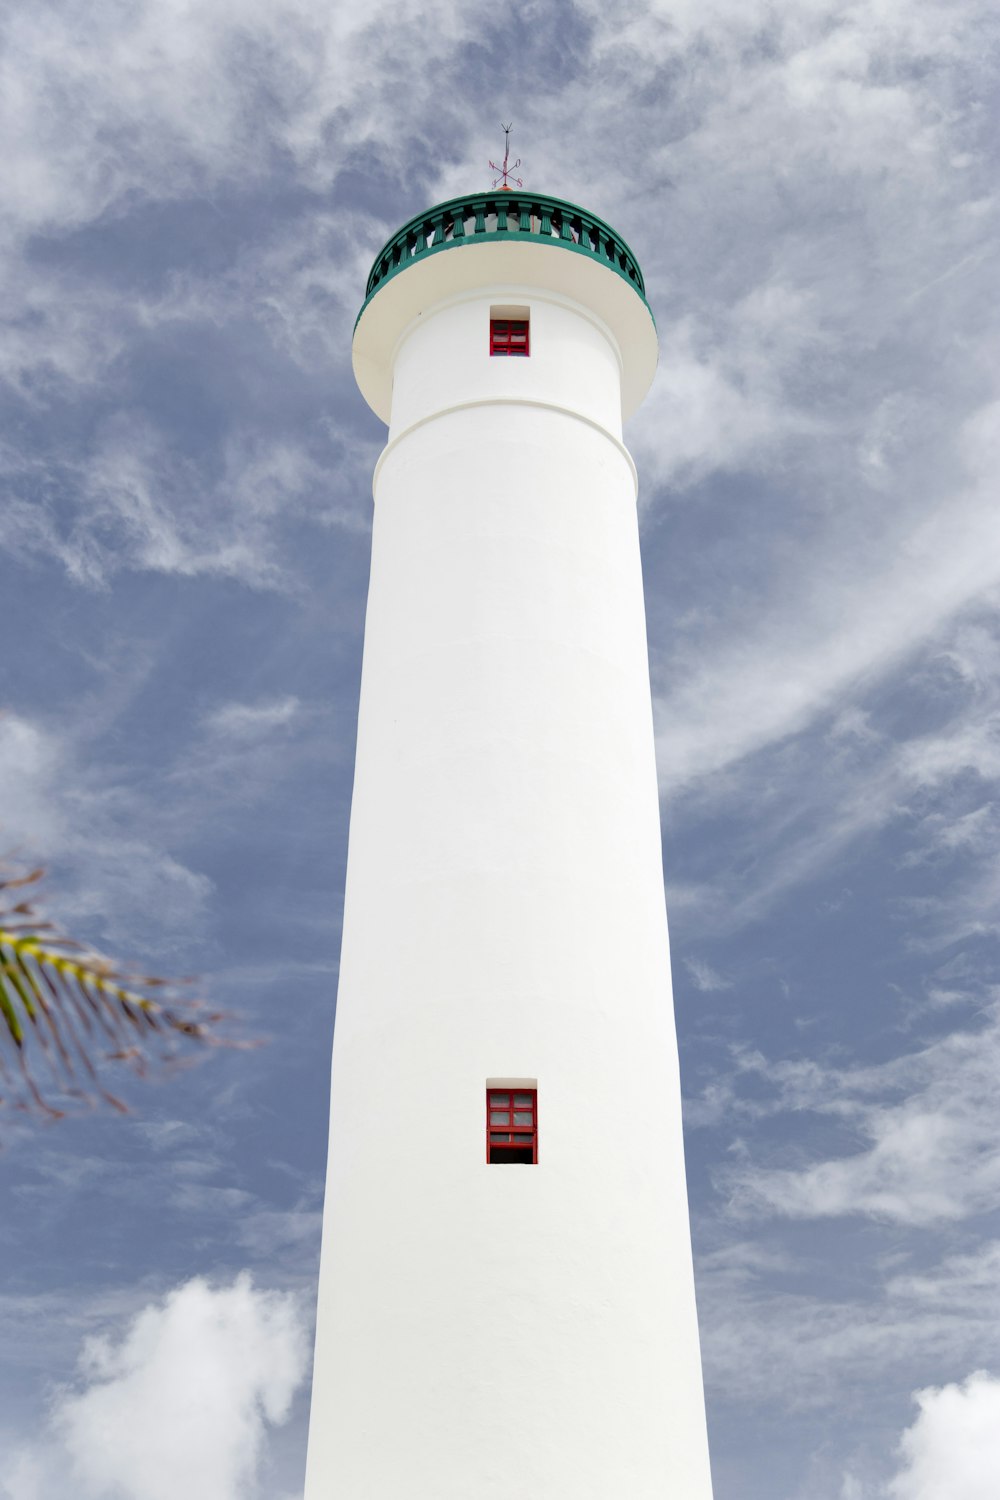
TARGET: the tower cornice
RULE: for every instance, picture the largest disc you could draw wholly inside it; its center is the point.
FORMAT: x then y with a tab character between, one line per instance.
505	215
519	259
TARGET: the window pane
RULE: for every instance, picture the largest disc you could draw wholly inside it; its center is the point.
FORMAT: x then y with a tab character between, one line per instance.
495	1137
499	1101
522	1101
523	1117
501	1117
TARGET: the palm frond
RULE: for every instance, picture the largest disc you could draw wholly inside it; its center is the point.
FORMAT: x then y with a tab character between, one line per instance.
79	1013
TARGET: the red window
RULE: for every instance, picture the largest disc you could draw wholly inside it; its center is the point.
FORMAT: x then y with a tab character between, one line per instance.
509	336
511	1125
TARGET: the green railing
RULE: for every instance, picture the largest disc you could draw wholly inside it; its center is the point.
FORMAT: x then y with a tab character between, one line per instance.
504	216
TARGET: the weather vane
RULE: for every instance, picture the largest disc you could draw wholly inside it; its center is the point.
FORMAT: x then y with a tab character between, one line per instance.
506	170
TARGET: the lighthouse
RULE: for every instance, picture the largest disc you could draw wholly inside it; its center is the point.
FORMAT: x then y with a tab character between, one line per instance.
506	1301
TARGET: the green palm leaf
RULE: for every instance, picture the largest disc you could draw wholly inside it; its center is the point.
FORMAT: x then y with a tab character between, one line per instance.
78	1013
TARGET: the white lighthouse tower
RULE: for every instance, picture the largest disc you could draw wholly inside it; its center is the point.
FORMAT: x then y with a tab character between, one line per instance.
506	1303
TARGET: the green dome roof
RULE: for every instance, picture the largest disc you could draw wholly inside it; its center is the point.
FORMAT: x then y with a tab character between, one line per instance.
507	216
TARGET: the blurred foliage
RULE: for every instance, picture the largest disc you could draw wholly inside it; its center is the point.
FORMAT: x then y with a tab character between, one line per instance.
75	1016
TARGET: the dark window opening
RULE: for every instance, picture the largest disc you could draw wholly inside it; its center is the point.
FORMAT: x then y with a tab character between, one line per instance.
509	336
511	1126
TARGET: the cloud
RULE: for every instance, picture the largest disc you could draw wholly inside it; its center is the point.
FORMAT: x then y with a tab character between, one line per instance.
963	1283
807	318
779	1327
110	867
31	761
174	98
179	1403
719	404
705	977
933	792
926	1124
829	631
197	438
241	721
953	1448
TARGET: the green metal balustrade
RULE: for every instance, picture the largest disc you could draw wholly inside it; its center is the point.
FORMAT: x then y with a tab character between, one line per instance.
504	216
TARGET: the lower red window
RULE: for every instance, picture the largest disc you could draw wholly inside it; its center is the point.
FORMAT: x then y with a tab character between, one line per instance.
509	336
511	1125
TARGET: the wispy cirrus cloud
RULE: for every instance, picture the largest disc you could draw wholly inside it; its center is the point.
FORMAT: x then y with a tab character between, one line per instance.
249	721
816	350
113	871
767	1327
935	790
136	505
120	132
924	1129
704	977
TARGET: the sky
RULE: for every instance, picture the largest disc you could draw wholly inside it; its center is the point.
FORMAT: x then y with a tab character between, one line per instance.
192	194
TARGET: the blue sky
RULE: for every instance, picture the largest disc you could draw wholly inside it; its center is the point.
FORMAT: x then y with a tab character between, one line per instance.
192	196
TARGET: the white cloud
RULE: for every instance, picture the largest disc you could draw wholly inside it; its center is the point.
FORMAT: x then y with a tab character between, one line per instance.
101	845
829	631
719	402
705	977
940	789
775	1332
179	1404
245	750
137	504
251	720
966	1284
953	1448
174	97
105	117
823	228
926	1125
31	760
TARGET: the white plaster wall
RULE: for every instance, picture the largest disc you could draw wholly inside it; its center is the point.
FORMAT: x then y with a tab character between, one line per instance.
487	1330
442	360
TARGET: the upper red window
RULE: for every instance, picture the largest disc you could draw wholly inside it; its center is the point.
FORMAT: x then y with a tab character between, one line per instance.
509	336
511	1125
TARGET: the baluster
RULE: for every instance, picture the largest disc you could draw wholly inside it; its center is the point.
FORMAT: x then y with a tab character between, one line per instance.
458	224
438	223
524	223
546	220
480	218
501	206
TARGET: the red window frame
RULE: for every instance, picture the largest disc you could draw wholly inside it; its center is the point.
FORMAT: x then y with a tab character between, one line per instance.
518	1130
510	336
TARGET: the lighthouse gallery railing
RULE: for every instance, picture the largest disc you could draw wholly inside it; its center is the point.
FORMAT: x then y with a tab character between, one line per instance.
504	216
